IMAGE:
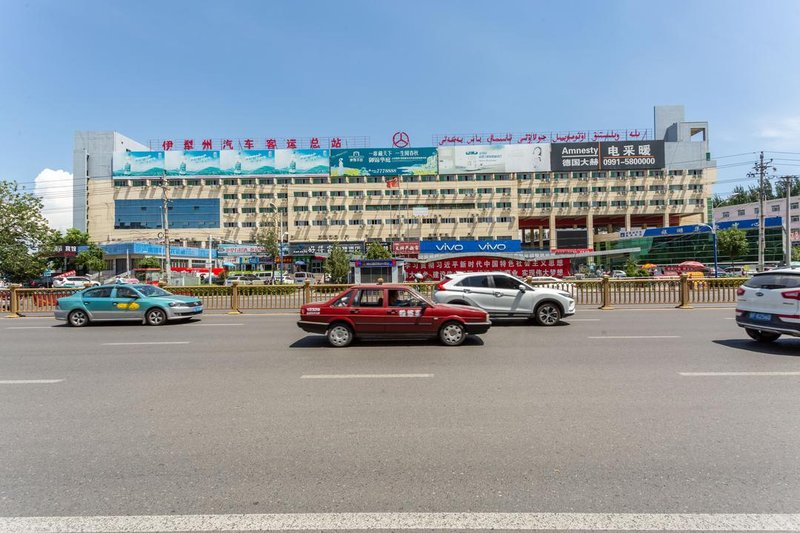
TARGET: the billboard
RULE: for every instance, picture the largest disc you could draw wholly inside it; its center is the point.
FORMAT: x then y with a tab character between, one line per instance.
305	161
461	247
627	155
247	162
192	163
383	162
136	164
494	158
226	250
324	248
435	270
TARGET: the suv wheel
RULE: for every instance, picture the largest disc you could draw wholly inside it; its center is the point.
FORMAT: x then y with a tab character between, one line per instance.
762	336
547	314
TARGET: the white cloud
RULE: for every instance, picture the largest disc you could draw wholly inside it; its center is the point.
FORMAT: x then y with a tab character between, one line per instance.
781	134
55	189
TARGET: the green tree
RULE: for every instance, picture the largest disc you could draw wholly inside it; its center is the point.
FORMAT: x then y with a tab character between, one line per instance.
796	253
732	243
24	234
376	251
337	265
91	259
149	262
74	237
267	237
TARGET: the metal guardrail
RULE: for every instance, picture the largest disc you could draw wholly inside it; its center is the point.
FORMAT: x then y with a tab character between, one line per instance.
604	293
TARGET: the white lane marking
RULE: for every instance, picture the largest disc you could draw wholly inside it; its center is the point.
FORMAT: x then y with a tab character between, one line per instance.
32	327
198	325
699	374
29	381
139	343
636	337
363	376
729	318
400	521
568	319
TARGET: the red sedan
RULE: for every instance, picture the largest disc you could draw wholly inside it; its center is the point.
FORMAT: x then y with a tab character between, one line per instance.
390	311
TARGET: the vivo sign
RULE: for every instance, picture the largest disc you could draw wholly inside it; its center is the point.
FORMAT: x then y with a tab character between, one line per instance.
461	247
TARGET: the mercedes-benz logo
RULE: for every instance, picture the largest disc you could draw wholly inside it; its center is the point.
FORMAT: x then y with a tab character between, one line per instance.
400	139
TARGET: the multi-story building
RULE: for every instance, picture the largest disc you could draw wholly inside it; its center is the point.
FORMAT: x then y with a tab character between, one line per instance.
549	195
772	208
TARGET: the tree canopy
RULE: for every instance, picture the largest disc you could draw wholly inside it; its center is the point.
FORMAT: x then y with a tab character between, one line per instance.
732	243
24	233
376	250
337	265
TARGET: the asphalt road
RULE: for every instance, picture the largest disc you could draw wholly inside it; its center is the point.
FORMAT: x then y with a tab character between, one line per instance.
241	414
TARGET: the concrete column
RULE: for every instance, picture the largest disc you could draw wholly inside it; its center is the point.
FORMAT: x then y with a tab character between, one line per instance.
665	224
627	221
590	230
552	227
541	237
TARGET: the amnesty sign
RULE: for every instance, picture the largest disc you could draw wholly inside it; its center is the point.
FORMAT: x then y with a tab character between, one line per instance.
626	155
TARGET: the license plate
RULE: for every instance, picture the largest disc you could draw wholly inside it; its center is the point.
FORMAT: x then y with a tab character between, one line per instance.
760	316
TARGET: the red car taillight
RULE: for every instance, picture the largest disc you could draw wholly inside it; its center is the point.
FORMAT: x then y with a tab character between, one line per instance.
440	286
739	291
791	295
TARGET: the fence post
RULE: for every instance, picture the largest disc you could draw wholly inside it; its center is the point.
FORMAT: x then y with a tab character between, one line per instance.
605	285
306	292
684	288
234	299
14	301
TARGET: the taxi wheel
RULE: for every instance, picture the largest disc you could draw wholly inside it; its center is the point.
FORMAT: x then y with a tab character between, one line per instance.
762	336
78	318
452	334
155	317
547	314
339	335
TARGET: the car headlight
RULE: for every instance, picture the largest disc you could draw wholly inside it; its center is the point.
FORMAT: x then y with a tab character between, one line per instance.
177	304
565	294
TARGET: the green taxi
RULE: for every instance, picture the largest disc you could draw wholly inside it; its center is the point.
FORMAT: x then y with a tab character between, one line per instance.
144	303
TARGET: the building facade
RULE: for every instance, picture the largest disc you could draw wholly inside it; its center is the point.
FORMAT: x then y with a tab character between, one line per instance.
549	195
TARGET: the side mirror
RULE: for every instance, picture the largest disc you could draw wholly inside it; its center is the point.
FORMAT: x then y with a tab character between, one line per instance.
521	287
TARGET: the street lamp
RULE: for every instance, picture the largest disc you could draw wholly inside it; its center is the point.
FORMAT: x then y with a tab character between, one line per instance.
279	227
713	229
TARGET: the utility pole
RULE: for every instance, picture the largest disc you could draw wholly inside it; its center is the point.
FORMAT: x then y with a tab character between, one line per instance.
210	263
787	250
165	209
761	167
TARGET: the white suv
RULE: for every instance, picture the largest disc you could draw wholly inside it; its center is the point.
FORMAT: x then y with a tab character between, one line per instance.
768	305
72	282
501	294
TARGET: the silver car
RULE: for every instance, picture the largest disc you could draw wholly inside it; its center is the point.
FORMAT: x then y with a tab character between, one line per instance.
501	294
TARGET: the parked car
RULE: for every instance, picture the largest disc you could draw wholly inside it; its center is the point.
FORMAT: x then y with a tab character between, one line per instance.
145	303
501	294
768	305
266	277
301	277
244	279
39	283
618	274
390	311
72	282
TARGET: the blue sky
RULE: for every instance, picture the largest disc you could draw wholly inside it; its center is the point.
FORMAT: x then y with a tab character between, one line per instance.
216	69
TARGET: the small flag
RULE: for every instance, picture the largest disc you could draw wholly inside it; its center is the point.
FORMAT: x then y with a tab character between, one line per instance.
393	183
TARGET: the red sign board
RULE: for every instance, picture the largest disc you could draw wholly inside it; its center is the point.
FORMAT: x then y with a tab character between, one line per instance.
406	248
435	270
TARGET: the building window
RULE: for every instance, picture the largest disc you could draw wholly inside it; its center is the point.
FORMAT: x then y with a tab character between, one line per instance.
447	191
230	196
299	208
355	208
410	192
756	210
300	223
775	208
543	205
580	189
230	182
484	205
795	218
247	181
599	203
266	181
338	180
264	195
485	220
337	222
318	194
448	220
248	196
355	194
740	212
465	178
230	210
300	194
429	220
428	178
373	193
231	224
502	177
676	187
374	222
447	178
466	220
356	222
676	201
337	193
542	190
525	205
248	210
656	202
580	204
319	208
337	208
248	224
505	219
503	205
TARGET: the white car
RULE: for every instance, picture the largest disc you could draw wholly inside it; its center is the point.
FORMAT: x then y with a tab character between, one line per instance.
501	294
768	305
72	282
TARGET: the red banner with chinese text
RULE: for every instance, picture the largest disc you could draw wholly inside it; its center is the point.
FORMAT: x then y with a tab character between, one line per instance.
435	270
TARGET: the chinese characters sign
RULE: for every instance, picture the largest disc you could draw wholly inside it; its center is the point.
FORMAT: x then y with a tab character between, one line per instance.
405	248
435	270
630	155
324	248
494	158
384	162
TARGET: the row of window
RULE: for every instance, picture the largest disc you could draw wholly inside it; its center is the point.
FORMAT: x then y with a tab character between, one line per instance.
380	222
601	203
775	208
235	181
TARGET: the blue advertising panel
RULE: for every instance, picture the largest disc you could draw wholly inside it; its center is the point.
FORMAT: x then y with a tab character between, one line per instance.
302	161
247	162
460	247
192	163
750	223
137	164
375	263
384	162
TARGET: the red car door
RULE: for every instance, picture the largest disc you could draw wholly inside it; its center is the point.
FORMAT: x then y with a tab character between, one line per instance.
406	315
368	312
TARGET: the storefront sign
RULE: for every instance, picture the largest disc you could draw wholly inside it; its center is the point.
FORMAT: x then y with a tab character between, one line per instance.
383	162
494	158
631	234
375	263
460	247
137	164
324	248
626	155
405	248
65	250
435	270
571	250
228	250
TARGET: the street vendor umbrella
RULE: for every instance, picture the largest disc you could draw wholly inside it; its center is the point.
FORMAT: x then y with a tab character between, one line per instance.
649	265
692	264
228	265
299	262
